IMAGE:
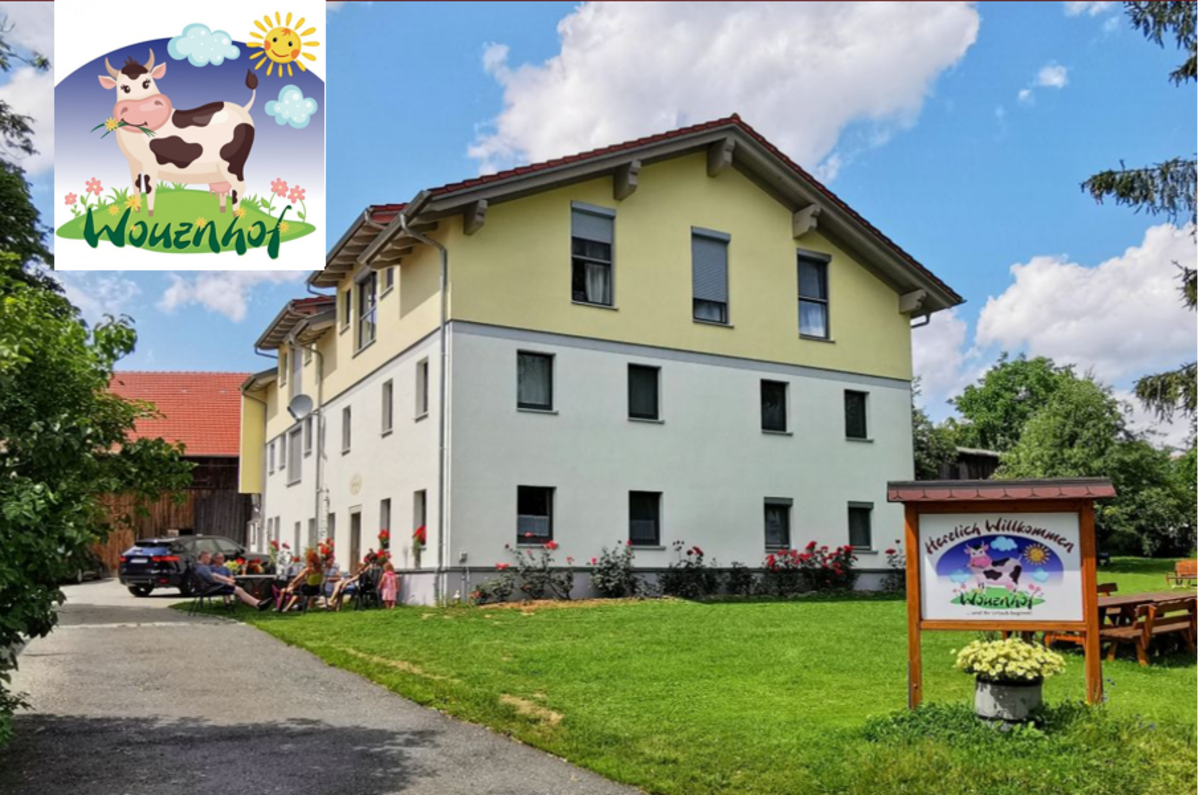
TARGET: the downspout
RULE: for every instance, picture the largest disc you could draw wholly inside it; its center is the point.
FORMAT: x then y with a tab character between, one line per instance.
440	572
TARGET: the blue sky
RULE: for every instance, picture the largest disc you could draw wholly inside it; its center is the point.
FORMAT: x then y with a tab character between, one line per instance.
963	132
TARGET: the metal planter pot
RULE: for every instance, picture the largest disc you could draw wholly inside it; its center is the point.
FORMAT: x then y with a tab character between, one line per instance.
1011	702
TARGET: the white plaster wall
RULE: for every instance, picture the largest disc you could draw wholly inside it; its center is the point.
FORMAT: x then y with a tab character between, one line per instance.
709	456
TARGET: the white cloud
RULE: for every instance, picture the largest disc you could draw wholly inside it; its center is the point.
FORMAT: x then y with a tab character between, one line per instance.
1122	318
799	72
98	294
31	93
1142	420
224	292
32	26
1092	9
1052	75
1025	95
942	360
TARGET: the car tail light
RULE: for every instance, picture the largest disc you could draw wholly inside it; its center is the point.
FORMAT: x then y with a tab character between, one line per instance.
165	558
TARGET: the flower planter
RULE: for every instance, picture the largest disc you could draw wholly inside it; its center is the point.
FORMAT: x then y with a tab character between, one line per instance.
1011	702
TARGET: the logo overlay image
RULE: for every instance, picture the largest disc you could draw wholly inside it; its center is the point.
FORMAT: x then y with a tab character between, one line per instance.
173	137
1010	566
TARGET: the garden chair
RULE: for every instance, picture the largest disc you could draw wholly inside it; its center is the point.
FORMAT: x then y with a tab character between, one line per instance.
1165	618
205	592
1184	576
367	592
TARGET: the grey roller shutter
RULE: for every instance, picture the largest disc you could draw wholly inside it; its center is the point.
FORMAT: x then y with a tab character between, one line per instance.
591	226
710	277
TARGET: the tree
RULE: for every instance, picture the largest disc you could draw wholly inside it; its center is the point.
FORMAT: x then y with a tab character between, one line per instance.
1167	188
994	410
1070	435
63	435
933	445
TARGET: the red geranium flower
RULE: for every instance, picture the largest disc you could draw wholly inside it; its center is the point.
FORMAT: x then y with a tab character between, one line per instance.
889	552
593	561
501	566
551	545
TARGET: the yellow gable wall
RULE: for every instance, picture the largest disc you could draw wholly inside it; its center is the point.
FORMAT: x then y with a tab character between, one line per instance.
516	272
251	441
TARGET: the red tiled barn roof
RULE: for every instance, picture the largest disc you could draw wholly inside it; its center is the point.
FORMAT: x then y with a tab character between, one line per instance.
202	410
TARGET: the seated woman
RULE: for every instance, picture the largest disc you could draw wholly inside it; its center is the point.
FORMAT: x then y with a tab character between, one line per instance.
349	585
306	584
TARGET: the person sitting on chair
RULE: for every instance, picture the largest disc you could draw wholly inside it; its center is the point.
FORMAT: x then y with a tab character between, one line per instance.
218	565
228	586
307	582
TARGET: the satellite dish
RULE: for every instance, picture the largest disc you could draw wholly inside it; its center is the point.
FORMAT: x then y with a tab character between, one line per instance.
300	407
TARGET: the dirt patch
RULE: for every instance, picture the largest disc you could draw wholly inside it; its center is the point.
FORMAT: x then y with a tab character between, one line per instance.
531	710
558	604
399	665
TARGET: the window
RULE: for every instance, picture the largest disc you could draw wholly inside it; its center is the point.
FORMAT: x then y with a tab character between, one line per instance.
777	521
710	276
422	406
591	255
856	415
271	458
294	455
419	503
386	408
366	309
282	451
283	366
389	278
297	364
860	524
347	308
308	435
814	295
346	429
535	381
331	525
643	392
535	514
385	515
644	518
296	540
774	406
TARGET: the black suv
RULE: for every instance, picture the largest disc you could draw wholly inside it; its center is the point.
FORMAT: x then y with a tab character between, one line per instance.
164	562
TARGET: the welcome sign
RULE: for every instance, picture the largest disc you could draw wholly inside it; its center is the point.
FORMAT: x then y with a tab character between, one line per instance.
1019	566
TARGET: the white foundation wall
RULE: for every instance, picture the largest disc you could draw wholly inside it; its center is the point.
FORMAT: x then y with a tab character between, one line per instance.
708	456
379	465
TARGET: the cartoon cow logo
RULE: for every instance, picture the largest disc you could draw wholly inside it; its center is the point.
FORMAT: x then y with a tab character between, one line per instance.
204	145
1002	572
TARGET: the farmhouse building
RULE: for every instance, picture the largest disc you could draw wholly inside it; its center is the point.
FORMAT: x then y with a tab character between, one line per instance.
681	338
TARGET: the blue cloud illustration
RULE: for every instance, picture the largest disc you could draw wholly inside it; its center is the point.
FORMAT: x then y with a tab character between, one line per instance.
1004	544
202	46
1041	575
960	577
292	108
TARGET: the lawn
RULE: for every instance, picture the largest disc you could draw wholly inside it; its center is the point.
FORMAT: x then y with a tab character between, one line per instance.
762	697
181	218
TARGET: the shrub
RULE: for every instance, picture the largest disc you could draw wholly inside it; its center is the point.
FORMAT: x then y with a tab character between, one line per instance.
688	576
894	581
784	575
740	580
536	576
828	569
613	575
497	589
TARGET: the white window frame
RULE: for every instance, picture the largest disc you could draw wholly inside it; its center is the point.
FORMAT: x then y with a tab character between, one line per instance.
387	409
421	409
347	429
295	458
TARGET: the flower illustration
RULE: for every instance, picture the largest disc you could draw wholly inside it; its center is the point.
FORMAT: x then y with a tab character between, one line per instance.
113	209
202	222
70	199
111	124
279	187
134	202
284	226
93	186
239	212
296	194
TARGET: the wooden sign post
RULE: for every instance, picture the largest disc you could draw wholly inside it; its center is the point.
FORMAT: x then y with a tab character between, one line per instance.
1006	555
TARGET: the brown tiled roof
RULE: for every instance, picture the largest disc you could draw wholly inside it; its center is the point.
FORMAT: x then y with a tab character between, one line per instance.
924	491
202	410
384	213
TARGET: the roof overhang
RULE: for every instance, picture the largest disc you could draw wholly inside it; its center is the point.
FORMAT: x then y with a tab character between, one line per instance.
945	491
286	321
378	238
260	381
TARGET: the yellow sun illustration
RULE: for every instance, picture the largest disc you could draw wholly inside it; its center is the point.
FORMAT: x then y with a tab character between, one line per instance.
281	43
1037	554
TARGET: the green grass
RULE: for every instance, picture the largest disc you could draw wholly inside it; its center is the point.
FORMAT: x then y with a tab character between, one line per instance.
763	697
177	206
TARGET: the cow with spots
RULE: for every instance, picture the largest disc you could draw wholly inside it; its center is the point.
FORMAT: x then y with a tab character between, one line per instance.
205	145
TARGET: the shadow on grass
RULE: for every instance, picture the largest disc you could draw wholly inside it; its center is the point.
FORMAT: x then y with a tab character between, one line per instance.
1124	565
85	755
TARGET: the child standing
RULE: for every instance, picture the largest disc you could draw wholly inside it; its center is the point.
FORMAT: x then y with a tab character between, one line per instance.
389	584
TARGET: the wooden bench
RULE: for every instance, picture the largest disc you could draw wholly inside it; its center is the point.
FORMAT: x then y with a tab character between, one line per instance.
1106	617
1185	574
1154	620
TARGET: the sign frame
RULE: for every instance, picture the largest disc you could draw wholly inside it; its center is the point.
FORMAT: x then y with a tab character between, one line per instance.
986	498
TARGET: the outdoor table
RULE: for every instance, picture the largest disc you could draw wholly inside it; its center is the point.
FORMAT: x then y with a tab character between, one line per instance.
257	585
1128	604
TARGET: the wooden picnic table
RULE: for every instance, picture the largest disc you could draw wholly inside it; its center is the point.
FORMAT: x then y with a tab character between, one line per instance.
1127	604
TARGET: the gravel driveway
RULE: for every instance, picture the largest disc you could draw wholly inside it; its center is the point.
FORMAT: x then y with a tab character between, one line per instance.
131	698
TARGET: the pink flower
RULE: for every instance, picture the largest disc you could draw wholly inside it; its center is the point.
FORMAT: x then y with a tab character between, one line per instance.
279	187
70	199
551	545
593	561
570	560
93	186
296	194
501	566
